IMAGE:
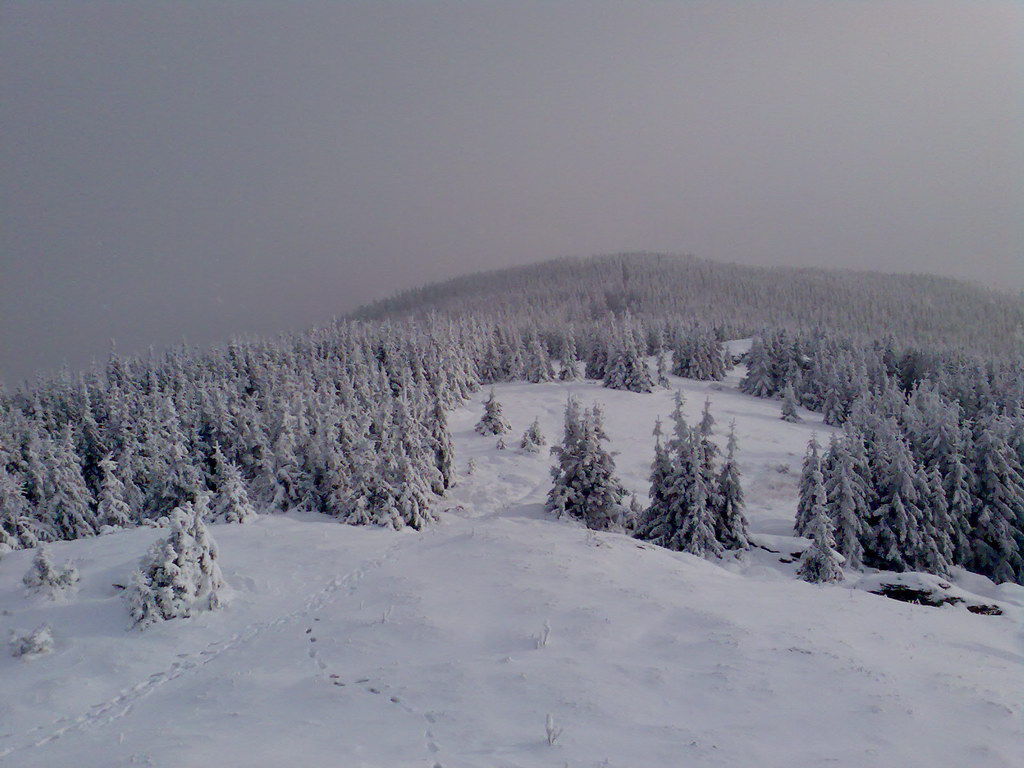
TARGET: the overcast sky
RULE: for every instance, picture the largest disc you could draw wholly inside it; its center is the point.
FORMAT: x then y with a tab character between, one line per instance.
200	169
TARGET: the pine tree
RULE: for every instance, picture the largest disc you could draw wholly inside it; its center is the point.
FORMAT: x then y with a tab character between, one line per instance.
442	449
14	511
492	422
847	505
532	439
810	477
894	541
538	364
69	506
47	579
584	483
570	364
112	509
698	533
731	527
180	574
231	502
666	513
820	564
707	421
758	381
789	405
626	369
999	500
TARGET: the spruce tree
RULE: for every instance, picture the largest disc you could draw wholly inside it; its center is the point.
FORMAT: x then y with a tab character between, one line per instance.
69	506
789	405
758	381
231	503
999	507
180	574
440	440
492	422
569	369
112	509
698	532
820	563
810	478
532	439
731	527
847	505
584	483
46	578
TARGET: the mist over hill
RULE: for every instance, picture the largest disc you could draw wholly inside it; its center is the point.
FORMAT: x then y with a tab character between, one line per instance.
735	299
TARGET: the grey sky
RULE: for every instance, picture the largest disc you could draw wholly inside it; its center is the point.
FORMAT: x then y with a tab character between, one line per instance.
201	169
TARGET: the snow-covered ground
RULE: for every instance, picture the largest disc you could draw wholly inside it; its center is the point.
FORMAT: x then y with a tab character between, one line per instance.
350	647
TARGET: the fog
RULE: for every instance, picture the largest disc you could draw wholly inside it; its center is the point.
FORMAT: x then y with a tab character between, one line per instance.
197	170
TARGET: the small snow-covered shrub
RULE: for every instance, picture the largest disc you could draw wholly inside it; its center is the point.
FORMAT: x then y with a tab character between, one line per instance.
551	730
541	640
47	579
36	643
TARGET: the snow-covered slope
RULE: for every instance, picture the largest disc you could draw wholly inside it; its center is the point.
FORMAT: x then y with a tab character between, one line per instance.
350	647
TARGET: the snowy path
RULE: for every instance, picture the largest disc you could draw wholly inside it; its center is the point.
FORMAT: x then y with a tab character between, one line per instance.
364	648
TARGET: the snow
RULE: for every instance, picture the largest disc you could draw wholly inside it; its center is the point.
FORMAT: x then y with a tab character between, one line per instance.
343	646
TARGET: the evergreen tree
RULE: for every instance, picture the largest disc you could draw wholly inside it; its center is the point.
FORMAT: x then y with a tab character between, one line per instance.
707	421
442	448
231	502
532	439
69	506
758	381
810	478
492	422
820	564
112	509
698	532
47	579
180	574
847	505
14	511
789	405
626	369
999	507
894	540
570	364
731	527
585	486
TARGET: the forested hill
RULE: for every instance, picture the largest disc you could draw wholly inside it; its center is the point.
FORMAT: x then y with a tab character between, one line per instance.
739	300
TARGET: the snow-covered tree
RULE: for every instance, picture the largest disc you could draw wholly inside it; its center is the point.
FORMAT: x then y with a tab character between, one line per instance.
758	381
820	563
584	485
532	439
38	642
847	505
698	532
789	405
626	368
69	506
731	528
570	364
180	574
492	422
998	519
46	578
231	503
443	450
810	479
112	509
